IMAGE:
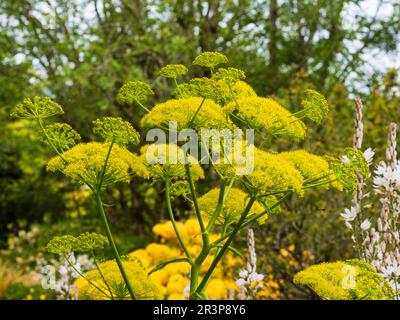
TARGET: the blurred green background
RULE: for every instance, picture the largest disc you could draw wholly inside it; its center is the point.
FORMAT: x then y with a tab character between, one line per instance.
80	52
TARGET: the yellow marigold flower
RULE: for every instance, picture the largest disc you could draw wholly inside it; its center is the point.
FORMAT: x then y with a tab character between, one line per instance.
116	130
168	160
311	166
160	277
182	268
283	252
37	108
315	105
143	287
209	59
160	252
217	289
176	296
177	283
234	205
183	111
344	280
166	230
85	161
265	113
192	228
291	247
134	91
272	173
173	70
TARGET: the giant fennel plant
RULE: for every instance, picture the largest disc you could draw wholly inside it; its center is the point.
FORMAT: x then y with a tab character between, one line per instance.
221	101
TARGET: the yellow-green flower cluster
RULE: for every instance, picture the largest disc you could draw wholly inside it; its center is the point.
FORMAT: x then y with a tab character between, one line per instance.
168	160
312	167
173	70
85	162
183	111
143	287
344	280
84	242
272	173
116	130
60	135
37	108
229	75
134	91
216	90
234	205
209	59
173	279
344	173
315	105
265	113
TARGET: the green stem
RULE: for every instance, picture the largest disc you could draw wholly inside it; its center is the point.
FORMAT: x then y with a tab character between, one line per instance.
49	141
172	218
103	171
142	106
112	244
102	275
196	113
204	232
218	257
218	209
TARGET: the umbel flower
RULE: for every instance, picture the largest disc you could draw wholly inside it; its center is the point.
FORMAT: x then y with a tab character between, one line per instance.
116	130
264	113
110	277
173	70
37	108
344	280
187	112
134	91
272	173
60	135
85	162
315	105
234	205
210	59
229	75
312	167
84	242
168	161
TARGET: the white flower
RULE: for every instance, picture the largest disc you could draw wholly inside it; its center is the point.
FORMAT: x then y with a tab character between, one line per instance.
350	214
240	282
365	225
369	155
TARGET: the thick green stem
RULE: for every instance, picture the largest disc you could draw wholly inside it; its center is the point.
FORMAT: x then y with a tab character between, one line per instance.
114	249
202	285
172	218
204	233
219	207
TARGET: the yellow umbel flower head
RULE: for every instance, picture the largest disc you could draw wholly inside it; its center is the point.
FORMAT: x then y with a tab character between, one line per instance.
143	287
183	111
272	173
216	90
60	135
209	59
173	70
311	166
85	162
116	130
265	113
234	205
134	91
37	108
344	280
315	105
168	160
